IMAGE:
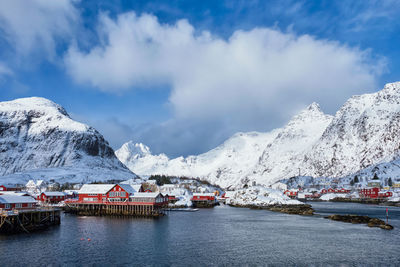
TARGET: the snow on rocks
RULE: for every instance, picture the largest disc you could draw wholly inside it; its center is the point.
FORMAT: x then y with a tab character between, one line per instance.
39	140
260	196
361	136
330	196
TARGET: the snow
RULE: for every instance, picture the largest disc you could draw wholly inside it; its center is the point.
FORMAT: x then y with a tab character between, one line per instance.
260	196
95	188
39	140
146	195
330	196
361	138
54	194
16	199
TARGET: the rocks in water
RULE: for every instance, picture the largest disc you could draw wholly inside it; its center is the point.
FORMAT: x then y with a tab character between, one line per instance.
293	209
302	209
360	219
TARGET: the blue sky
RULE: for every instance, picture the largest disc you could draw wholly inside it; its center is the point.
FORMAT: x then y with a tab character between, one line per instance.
182	76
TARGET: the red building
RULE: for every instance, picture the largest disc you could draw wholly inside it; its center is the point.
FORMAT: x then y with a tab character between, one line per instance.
104	193
291	193
385	194
370	192
9	202
52	197
9	187
143	198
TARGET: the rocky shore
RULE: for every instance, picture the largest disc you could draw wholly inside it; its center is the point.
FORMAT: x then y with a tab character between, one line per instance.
366	201
302	209
358	219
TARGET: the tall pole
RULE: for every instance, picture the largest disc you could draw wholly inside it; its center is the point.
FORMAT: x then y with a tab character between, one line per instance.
387	216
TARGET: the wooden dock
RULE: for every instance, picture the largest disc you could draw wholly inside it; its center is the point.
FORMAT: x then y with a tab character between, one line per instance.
15	221
118	209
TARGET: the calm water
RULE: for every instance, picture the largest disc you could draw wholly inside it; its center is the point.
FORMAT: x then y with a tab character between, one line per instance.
219	236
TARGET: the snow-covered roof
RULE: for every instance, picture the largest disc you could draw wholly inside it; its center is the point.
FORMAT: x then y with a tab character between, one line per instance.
14	193
9	199
95	188
169	185
149	195
54	194
128	188
136	187
204	194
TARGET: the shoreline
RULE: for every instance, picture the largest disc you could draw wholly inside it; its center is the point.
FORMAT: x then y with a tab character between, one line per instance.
360	201
296	209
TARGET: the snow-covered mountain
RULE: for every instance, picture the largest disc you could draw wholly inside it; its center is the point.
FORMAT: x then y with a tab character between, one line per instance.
237	160
39	140
361	135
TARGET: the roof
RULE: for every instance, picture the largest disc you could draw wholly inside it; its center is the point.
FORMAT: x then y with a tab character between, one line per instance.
128	188
169	185
16	199
149	195
54	194
204	194
14	193
96	188
10	185
136	187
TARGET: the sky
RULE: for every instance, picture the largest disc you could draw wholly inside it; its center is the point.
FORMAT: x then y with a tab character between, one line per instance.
183	76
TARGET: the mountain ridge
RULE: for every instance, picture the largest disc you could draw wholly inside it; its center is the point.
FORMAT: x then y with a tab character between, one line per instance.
361	134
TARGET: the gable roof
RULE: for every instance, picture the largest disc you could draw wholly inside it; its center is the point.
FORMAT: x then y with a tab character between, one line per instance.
128	188
54	194
147	195
96	188
136	187
9	199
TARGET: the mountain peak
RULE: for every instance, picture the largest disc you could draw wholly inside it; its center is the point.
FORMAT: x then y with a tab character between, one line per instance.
314	106
33	103
392	88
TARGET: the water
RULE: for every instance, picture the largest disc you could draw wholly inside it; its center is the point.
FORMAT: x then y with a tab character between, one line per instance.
219	236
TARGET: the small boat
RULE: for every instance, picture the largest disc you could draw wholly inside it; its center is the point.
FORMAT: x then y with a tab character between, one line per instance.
184	209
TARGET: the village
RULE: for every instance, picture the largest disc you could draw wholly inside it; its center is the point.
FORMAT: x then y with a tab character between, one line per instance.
38	204
373	192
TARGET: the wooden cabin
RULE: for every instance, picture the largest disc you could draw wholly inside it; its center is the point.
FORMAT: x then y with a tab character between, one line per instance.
52	197
10	202
155	198
9	187
101	193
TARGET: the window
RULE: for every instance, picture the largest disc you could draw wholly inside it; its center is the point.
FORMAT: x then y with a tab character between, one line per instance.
18	205
8	206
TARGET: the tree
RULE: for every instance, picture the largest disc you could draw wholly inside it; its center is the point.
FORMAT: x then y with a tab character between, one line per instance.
352	182
390	182
356	179
375	177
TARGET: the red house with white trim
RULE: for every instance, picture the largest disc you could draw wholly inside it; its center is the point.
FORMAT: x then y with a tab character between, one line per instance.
52	197
9	187
102	193
10	202
369	192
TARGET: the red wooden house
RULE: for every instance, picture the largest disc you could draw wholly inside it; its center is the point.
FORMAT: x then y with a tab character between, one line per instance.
143	198
9	187
369	192
52	197
102	193
9	202
291	193
385	194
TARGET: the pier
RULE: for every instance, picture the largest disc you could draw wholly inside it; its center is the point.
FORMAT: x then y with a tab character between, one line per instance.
14	221
119	209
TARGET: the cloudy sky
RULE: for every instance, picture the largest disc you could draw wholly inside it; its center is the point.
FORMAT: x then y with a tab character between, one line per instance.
183	76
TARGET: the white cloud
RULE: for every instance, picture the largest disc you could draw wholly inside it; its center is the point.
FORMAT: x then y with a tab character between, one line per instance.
34	25
5	71
253	81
